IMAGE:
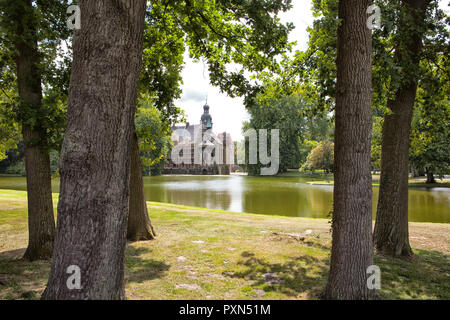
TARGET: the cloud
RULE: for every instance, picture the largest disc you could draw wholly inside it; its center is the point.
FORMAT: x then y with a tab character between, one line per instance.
193	95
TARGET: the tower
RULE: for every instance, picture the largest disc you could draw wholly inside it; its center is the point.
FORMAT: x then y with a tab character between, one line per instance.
206	119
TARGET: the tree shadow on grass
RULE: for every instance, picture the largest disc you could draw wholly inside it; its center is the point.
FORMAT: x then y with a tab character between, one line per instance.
302	276
425	277
140	268
22	279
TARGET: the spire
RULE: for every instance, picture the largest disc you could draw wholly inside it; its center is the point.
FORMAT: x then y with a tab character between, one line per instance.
206	118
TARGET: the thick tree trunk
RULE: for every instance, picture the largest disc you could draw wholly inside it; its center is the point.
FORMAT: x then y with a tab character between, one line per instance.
41	223
391	235
430	176
139	224
95	160
352	251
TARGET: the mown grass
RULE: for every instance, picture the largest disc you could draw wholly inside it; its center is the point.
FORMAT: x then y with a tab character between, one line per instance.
213	254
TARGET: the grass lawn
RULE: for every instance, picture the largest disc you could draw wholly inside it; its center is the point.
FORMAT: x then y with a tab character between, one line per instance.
212	254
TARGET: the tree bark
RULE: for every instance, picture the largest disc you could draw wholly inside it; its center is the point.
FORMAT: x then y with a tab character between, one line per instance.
139	224
41	222
352	251
391	234
95	159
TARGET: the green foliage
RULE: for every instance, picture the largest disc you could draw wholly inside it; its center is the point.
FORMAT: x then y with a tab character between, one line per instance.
44	23
246	33
321	157
305	149
286	115
17	168
9	130
299	131
162	59
313	72
431	121
430	137
375	148
315	68
153	133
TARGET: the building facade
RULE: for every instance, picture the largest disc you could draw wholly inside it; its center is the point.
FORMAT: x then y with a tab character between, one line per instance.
198	150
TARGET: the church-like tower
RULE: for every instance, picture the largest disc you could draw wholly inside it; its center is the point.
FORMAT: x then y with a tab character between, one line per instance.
206	119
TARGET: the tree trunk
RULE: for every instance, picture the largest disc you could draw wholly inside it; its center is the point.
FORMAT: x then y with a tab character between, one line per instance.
391	235
352	251
95	159
139	224
41	222
430	176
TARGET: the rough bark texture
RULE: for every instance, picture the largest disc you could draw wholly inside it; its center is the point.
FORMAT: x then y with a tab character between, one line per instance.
391	235
95	160
139	224
41	223
352	250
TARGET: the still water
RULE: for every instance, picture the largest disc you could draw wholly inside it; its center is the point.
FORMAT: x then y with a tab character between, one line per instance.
286	196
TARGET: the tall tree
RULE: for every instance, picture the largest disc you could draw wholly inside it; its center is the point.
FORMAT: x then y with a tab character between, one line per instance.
160	79
29	39
95	159
41	222
410	29
352	251
150	143
391	235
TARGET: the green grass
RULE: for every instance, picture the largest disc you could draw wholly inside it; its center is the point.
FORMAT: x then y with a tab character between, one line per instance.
214	254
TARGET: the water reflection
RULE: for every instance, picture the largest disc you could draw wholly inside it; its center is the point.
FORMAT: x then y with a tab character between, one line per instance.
287	196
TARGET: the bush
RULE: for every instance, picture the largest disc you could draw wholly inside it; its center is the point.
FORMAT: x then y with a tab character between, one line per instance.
17	168
321	157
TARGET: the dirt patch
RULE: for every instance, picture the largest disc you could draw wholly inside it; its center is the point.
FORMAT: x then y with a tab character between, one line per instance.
188	286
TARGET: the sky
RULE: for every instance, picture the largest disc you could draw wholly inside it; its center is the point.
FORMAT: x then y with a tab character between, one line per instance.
227	113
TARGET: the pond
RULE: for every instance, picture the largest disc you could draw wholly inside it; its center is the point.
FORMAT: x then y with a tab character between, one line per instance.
286	196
